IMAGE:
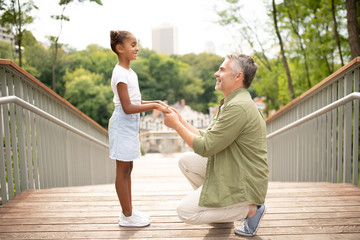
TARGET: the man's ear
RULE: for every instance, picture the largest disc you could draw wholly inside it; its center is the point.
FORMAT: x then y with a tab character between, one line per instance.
240	77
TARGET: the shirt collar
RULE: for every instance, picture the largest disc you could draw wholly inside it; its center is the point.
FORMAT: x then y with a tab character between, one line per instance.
232	95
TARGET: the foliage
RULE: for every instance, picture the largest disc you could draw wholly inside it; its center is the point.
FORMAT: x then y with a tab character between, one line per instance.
165	78
83	77
55	45
203	67
309	40
95	59
15	17
85	90
6	50
308	33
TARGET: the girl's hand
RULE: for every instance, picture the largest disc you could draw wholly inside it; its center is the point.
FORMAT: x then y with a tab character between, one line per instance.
162	108
161	103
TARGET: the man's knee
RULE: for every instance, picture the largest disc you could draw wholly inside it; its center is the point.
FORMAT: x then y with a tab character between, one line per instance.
184	214
185	160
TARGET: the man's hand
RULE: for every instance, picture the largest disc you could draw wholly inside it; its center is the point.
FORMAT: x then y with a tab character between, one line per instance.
179	116
171	119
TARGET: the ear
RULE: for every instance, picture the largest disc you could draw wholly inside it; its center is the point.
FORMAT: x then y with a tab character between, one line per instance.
240	78
119	48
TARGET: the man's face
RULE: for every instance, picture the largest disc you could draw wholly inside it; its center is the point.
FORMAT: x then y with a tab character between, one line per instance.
224	78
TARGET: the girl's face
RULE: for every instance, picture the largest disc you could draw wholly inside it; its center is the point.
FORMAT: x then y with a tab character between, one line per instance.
129	48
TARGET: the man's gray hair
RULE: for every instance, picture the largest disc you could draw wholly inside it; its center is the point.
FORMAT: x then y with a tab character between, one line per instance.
245	64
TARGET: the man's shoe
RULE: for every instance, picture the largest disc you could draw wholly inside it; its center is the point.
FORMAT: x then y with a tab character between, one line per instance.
135	220
251	225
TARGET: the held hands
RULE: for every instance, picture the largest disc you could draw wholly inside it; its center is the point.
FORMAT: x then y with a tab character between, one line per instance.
163	107
161	103
178	114
172	119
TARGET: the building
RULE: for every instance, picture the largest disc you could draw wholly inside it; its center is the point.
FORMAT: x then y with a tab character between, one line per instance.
5	36
165	39
156	137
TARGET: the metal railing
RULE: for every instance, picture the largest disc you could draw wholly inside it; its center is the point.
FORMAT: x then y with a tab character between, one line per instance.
316	136
46	141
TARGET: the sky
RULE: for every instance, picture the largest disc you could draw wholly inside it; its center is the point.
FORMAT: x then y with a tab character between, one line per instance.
91	23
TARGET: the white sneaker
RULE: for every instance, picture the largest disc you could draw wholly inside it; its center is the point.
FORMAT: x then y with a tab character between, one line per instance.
135	220
140	213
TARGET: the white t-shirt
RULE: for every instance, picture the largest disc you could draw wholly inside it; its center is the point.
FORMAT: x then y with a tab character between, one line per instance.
129	77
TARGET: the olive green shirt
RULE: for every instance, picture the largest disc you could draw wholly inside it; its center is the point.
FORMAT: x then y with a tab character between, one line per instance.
235	144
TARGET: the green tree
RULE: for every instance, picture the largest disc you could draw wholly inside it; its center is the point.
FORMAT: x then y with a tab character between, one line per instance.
230	13
282	51
5	50
86	92
165	71
168	78
55	39
16	17
95	59
2	5
353	8
37	62
312	39
203	67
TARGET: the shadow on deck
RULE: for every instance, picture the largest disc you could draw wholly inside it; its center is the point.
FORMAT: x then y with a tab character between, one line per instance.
294	210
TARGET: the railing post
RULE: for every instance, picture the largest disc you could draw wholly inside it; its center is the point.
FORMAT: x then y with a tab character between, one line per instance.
4	196
340	118
347	130
28	142
21	137
13	135
356	129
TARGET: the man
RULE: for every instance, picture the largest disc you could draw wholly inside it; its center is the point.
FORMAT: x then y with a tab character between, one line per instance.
228	170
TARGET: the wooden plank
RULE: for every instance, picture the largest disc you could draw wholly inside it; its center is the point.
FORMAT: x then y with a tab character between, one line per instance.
294	210
267	229
174	222
212	233
164	207
166	204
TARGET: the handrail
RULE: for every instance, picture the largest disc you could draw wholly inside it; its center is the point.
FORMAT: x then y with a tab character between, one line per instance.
44	88
28	106
342	101
353	64
47	142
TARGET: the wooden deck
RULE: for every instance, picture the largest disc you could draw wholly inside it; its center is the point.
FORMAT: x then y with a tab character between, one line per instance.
294	210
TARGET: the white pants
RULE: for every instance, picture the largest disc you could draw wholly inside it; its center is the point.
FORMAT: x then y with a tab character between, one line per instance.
193	167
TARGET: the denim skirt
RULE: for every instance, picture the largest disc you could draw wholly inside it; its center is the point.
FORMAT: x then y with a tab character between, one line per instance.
124	135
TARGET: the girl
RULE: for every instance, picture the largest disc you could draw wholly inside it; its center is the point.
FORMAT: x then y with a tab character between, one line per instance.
124	123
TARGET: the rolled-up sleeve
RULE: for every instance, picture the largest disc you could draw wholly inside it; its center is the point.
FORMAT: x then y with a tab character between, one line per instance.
230	122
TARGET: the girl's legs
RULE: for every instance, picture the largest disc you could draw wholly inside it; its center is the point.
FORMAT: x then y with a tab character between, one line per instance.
129	217
123	185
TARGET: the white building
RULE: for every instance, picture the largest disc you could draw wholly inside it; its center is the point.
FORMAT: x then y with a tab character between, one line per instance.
5	36
165	39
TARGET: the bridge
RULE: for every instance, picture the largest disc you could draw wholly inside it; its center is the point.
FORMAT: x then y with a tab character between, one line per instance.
56	177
